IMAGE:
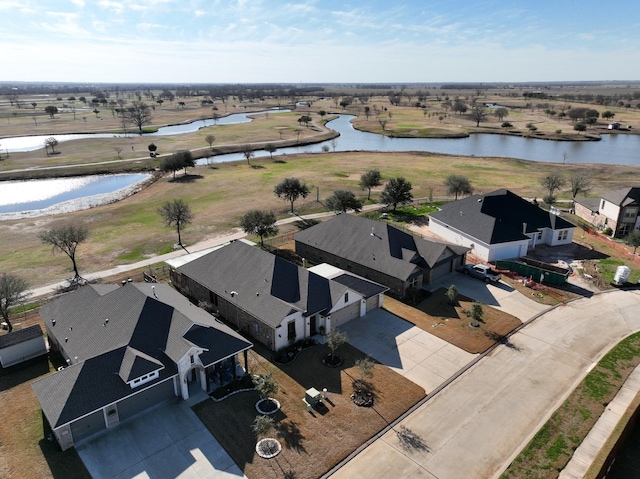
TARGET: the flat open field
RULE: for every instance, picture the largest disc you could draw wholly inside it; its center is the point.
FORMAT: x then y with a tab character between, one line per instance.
131	229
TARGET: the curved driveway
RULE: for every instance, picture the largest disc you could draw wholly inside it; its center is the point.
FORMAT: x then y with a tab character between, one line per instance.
477	425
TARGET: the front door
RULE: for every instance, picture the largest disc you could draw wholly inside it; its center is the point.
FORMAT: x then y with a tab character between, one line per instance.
312	326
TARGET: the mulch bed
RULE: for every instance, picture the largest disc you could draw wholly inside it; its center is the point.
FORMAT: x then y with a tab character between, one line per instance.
450	322
315	441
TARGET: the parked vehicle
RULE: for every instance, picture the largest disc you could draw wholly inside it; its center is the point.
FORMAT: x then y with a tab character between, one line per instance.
481	271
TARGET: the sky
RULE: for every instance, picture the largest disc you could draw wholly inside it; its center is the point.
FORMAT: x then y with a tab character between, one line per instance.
318	41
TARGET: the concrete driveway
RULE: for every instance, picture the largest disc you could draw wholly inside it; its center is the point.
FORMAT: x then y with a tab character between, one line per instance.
166	443
478	424
416	354
500	295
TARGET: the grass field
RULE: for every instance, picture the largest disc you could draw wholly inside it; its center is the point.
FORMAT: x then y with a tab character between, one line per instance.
131	229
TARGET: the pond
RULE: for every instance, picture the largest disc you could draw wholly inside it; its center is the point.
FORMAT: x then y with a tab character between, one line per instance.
20	199
36	142
618	149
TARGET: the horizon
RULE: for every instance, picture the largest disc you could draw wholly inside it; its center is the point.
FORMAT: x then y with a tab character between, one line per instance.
313	42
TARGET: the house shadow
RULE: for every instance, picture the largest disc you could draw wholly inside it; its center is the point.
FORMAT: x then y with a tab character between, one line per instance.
62	464
22	373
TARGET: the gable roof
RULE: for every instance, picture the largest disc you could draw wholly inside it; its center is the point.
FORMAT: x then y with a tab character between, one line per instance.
498	217
18	336
116	334
377	245
623	196
267	286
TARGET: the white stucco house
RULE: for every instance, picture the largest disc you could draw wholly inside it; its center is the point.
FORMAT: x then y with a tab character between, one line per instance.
499	225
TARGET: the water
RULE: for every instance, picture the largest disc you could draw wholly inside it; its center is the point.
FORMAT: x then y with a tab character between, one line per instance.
36	142
618	149
37	195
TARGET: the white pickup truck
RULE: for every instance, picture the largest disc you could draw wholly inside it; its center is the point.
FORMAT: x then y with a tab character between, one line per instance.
481	271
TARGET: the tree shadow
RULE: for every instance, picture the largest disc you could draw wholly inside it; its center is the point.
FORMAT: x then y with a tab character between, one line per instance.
257	167
499	338
278	161
189	178
305	223
410	441
291	435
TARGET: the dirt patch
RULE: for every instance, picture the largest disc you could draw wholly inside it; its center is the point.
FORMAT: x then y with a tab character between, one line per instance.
450	321
312	442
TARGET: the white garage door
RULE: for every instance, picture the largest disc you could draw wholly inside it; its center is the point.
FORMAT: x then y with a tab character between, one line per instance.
343	315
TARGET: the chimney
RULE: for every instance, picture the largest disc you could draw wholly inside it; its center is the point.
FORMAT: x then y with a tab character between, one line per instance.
524	228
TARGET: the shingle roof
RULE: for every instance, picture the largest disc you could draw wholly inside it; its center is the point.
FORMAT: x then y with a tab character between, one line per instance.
365	287
115	334
623	196
376	245
592	203
267	286
18	336
498	217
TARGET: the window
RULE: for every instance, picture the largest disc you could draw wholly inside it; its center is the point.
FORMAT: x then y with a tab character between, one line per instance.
413	282
630	213
563	235
539	235
193	360
602	205
291	331
346	297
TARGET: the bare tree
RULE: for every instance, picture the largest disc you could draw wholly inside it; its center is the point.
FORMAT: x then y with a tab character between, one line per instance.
552	182
176	213
13	290
66	238
478	113
580	182
139	114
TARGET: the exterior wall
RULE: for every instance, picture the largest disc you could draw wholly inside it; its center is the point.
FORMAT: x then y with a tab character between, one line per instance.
396	286
22	352
609	210
585	213
281	337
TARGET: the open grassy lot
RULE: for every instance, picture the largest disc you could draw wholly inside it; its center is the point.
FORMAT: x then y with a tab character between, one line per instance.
451	323
131	229
312	442
552	447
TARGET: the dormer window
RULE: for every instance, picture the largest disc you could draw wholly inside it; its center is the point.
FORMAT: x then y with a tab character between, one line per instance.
144	379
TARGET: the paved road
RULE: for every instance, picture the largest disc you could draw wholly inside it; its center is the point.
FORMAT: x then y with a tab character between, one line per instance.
477	425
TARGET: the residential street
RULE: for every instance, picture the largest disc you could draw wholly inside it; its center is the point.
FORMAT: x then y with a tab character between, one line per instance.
477	425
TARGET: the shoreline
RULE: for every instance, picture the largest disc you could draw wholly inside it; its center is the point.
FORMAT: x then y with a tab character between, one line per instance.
84	203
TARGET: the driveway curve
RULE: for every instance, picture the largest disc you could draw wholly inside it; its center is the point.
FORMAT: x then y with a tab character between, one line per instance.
478	424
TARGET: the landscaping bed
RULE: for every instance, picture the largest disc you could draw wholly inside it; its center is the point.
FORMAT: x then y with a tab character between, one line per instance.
450	322
312	442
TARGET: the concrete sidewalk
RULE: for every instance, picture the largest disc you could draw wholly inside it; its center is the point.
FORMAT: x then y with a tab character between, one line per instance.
478	424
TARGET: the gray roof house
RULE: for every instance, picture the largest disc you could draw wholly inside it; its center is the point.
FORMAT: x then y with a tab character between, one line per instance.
379	252
499	225
266	297
128	348
21	345
618	210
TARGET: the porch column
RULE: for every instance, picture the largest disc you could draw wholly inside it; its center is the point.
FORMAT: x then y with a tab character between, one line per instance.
246	361
203	379
233	365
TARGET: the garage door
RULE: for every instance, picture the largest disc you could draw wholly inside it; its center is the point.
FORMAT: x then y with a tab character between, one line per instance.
343	315
145	399
506	252
372	303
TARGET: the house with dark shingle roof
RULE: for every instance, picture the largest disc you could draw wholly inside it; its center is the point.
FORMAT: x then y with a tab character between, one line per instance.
499	225
128	349
21	345
265	297
618	210
379	252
